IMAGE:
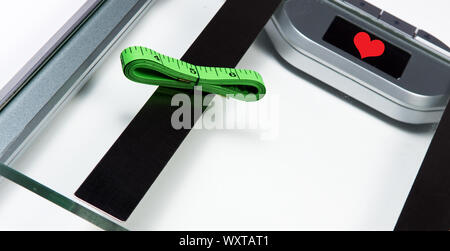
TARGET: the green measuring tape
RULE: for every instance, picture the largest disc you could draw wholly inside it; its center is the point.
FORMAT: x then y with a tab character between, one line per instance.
146	66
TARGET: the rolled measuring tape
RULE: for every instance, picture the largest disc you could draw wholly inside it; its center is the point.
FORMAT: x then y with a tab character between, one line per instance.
146	66
125	174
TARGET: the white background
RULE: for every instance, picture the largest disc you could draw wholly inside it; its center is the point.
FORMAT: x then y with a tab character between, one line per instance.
335	164
26	26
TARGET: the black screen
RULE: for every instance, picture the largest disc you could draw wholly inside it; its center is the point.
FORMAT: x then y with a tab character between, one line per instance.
367	47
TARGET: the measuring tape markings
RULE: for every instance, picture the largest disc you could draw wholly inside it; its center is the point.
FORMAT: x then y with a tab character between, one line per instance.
125	174
147	66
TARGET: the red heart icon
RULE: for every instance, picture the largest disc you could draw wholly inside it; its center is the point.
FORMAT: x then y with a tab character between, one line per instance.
367	47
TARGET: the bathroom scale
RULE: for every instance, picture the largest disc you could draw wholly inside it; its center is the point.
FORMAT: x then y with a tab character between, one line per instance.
314	157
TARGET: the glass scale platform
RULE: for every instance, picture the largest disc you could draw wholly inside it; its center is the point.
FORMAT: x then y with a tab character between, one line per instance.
325	162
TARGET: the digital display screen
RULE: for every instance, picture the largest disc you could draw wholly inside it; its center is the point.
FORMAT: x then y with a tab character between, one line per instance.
367	47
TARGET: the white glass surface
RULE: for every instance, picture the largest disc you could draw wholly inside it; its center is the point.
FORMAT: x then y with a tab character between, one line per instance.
26	26
38	214
334	164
